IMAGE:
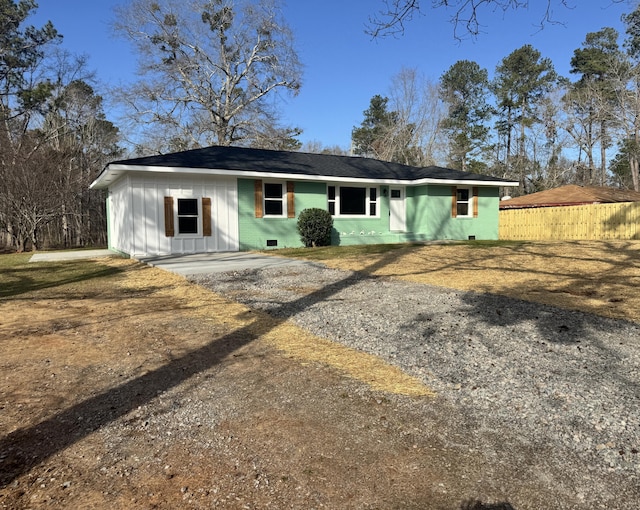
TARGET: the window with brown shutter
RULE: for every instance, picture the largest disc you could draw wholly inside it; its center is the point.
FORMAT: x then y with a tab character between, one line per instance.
462	202
169	230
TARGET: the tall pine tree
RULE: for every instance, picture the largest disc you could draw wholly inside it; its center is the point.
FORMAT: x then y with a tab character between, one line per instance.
464	88
522	80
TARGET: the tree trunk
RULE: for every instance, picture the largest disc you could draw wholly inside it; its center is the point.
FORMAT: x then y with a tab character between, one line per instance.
65	227
34	239
635	172
590	151
603	153
634	165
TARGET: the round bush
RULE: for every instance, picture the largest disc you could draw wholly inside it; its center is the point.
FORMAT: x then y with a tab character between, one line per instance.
314	226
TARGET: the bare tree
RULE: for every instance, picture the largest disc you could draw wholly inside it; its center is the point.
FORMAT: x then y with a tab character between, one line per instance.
628	90
465	14
405	126
317	147
23	95
209	68
548	140
50	155
625	113
26	202
419	111
83	140
580	125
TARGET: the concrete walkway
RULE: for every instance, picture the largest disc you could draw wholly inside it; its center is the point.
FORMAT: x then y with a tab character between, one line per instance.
185	265
201	263
57	256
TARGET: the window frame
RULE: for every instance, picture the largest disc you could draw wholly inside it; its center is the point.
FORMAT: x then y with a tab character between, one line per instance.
198	216
282	199
371	199
468	202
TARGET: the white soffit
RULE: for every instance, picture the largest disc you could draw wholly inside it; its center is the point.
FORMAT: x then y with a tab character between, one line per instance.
113	172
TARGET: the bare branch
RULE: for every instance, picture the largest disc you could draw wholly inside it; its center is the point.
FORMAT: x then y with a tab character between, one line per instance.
391	20
465	15
208	66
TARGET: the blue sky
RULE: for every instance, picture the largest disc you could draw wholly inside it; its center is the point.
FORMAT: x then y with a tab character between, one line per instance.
344	68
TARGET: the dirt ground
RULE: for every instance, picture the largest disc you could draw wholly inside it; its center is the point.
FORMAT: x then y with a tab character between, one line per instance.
127	387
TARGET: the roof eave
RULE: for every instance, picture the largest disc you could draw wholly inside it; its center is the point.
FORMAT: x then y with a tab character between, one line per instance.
467	182
113	171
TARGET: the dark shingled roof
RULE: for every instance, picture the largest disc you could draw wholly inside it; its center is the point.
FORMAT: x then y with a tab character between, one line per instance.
571	194
299	163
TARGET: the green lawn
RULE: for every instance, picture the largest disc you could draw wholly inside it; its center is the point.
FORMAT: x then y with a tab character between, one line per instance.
19	276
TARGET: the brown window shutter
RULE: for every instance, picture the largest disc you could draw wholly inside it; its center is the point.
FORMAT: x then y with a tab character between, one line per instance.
168	217
475	201
291	203
206	216
454	202
258	198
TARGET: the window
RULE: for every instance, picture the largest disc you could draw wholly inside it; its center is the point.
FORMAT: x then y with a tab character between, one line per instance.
373	198
191	218
352	201
331	198
274	199
463	202
188	216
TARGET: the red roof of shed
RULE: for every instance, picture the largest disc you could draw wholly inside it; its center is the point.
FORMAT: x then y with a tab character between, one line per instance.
571	195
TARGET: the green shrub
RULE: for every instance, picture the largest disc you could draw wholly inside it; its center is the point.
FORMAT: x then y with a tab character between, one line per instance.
314	226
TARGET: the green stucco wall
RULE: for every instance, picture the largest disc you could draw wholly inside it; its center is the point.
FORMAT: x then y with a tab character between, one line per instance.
349	231
255	232
428	213
437	203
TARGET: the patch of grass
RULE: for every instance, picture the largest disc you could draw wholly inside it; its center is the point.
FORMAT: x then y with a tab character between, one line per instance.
492	244
19	276
379	375
11	260
337	252
364	250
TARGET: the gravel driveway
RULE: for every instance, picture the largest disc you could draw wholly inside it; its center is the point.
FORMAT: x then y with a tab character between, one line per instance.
560	385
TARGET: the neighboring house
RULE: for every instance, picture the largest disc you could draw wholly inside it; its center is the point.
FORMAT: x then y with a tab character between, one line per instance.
571	195
230	198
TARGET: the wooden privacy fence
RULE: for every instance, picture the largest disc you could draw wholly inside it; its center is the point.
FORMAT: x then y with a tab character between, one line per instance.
577	222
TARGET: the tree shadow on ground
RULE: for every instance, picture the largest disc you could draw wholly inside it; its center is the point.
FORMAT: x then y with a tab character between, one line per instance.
602	280
479	505
556	325
30	446
21	279
575	333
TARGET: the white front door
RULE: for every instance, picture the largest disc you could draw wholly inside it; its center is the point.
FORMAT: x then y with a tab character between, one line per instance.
396	209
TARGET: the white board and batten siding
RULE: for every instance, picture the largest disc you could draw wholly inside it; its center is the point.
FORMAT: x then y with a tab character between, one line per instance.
137	223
